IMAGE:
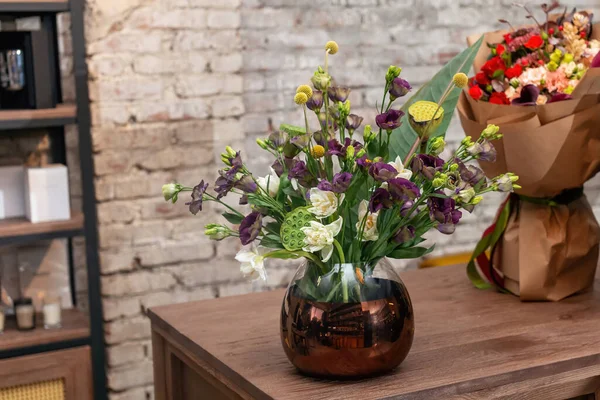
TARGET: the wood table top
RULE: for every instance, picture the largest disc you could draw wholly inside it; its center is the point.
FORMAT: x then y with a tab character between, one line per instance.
466	340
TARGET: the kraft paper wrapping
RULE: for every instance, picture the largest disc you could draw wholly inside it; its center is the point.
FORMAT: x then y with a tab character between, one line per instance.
547	252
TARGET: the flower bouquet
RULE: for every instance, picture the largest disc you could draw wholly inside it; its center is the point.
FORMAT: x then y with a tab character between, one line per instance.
343	205
541	85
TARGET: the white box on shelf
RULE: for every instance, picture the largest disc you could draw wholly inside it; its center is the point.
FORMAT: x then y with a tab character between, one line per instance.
12	191
47	193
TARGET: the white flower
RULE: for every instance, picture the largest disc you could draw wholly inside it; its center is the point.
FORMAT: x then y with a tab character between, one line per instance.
466	195
324	203
320	237
370	226
569	69
541	100
169	190
253	262
271	182
402	172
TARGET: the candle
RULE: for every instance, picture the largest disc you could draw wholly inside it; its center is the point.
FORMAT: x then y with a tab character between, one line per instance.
51	310
2	318
25	314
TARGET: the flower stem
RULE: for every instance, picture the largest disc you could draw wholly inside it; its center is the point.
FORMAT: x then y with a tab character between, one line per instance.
213	198
339	250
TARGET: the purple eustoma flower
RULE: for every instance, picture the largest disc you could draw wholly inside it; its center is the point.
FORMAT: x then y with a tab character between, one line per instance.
426	165
483	151
246	184
381	198
405	234
443	210
337	149
529	96
560	97
225	182
399	88
403	190
390	120
197	197
353	121
341	182
363	162
382	172
250	227
470	173
338	93
300	172
315	103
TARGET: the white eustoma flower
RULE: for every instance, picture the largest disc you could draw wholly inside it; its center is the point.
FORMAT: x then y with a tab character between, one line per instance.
324	203
253	262
370	232
402	172
269	183
320	237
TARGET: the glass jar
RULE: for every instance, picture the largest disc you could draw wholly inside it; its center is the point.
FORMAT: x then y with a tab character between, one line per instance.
354	320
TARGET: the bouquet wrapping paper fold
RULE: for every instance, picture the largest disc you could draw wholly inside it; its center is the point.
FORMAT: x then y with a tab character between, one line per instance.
548	250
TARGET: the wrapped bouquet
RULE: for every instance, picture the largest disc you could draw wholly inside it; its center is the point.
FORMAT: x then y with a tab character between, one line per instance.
540	83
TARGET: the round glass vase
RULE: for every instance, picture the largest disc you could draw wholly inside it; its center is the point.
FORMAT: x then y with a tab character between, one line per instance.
351	321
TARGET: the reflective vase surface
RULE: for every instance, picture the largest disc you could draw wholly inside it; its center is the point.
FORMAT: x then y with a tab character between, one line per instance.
351	322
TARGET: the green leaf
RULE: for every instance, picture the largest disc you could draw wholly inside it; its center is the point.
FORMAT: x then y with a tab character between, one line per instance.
271	241
403	138
410	252
292	130
282	254
233	218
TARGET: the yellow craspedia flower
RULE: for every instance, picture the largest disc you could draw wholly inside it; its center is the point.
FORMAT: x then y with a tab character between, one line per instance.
307	90
317	151
332	47
425	117
460	80
300	98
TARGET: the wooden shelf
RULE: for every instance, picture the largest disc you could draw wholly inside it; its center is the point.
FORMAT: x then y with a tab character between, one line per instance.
33	6
74	326
20	230
62	114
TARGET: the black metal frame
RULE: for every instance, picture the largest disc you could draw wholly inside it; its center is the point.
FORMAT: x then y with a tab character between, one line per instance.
80	71
90	232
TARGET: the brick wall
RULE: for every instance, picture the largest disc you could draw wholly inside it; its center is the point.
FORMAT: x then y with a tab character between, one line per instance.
173	81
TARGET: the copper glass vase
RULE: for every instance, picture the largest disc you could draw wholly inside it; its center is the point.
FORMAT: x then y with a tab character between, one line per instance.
355	320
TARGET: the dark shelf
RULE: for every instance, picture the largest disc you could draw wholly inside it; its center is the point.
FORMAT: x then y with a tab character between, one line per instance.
63	114
19	230
33	6
74	332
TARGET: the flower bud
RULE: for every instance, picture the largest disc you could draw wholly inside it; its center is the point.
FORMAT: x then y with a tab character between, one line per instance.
262	144
171	190
392	73
225	159
514	82
437	146
231	152
476	200
216	231
466	195
368	134
467	141
439	180
377	159
350	152
321	81
491	132
361	153
454	167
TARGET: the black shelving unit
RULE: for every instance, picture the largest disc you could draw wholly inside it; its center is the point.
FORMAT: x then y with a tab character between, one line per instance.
84	224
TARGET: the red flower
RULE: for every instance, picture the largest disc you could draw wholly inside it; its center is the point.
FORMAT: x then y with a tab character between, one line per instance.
541	62
514	72
507	38
560	28
500	50
499	98
476	92
492	65
482	79
551	31
535	42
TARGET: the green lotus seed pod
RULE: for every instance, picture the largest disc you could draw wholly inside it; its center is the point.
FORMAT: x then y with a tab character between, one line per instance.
292	237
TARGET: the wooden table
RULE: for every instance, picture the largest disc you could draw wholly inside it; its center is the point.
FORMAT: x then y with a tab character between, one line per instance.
469	344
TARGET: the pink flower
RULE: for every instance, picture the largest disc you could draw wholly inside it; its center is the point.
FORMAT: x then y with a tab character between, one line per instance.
533	76
556	81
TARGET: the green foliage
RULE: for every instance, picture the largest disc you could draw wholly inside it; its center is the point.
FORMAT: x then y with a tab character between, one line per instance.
232	218
403	138
292	130
410	252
